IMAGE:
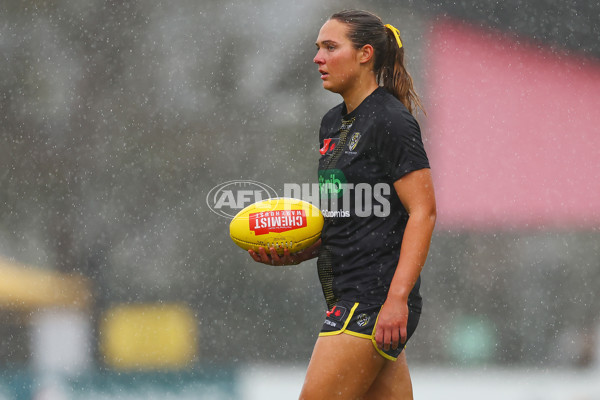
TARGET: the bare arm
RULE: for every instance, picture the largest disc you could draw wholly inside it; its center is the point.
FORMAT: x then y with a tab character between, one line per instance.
415	191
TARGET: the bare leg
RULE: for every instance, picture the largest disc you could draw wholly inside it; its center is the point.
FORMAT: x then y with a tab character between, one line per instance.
341	367
392	382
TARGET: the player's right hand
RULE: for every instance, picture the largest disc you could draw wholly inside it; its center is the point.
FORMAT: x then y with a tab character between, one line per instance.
272	258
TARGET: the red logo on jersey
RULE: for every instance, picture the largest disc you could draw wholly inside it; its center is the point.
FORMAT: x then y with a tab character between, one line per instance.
277	221
328	146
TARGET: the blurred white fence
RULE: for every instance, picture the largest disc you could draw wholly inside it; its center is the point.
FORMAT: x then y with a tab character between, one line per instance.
279	383
276	382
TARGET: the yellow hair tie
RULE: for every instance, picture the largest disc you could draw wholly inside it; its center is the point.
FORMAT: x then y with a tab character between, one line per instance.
396	33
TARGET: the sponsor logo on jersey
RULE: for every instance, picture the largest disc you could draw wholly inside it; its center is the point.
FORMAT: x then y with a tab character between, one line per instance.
335	213
328	146
340	199
337	312
277	221
331	182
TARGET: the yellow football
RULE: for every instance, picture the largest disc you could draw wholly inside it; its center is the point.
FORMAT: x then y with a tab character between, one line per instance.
278	222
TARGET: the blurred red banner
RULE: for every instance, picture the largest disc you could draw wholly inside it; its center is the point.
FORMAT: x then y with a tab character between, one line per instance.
513	132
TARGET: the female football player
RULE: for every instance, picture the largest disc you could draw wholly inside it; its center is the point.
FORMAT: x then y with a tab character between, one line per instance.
378	202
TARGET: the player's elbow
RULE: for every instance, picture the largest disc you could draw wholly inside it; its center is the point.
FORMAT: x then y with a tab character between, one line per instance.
430	216
432	213
425	213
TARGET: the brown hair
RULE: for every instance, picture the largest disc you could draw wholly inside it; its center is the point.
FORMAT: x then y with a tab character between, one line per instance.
367	28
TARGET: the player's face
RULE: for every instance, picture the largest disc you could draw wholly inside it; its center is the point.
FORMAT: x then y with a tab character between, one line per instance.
337	58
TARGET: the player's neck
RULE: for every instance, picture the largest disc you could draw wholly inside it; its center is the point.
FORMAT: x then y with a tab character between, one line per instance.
355	95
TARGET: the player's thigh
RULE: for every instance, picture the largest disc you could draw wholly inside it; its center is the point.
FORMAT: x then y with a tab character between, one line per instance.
392	382
341	367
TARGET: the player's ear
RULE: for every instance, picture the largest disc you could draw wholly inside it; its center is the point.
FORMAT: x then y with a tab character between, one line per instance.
366	54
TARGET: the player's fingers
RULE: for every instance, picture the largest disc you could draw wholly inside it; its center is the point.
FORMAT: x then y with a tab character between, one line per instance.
275	260
395	338
379	337
254	256
403	334
287	257
263	256
387	339
382	337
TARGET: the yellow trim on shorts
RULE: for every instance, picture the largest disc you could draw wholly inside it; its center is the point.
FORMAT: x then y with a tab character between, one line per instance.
345	324
360	335
384	354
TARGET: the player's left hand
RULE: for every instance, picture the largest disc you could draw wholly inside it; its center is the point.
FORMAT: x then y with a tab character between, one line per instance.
390	331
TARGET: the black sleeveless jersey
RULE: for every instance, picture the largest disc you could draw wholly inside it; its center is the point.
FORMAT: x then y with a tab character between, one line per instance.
362	154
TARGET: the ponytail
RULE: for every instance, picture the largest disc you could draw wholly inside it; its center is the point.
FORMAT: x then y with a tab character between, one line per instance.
367	28
393	76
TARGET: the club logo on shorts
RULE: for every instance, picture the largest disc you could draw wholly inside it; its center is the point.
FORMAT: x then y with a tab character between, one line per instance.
337	313
362	319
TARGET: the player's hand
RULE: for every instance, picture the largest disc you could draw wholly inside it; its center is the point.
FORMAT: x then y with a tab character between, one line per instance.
390	331
272	258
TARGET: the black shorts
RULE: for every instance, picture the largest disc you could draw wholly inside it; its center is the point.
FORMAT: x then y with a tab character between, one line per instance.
360	319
